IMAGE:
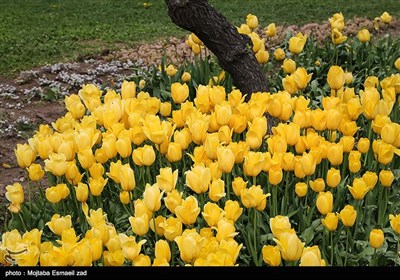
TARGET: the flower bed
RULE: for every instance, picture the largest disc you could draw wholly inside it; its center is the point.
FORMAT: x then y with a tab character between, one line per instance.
176	168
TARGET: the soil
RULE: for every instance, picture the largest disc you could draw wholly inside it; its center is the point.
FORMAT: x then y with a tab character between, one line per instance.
36	96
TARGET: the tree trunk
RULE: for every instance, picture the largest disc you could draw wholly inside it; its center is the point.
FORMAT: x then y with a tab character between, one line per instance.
232	49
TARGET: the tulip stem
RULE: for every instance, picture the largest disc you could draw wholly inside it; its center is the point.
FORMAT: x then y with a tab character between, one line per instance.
347	245
228	185
373	261
397	252
22	221
331	236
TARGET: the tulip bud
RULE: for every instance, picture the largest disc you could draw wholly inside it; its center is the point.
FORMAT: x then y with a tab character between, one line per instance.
289	66
348	215
271	255
324	202
330	221
251	21
363	35
376	238
386	177
15	193
395	222
279	54
271	30
301	189
296	43
311	256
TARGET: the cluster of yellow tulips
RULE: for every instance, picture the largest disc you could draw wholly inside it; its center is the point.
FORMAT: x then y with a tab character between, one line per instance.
140	181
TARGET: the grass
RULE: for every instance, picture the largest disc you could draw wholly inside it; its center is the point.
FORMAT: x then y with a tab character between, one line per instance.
39	32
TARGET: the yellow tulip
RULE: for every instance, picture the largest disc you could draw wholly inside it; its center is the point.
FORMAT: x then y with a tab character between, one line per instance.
254	197
337	21
354	161
25	155
289	84
271	255
370	178
226	159
386	177
125	197
359	189
155	225
53	194
279	54
173	199
179	92
336	77
96	185
167	179
29	258
271	30
86	157
216	190
174	152
363	145
333	118
189	244
379	122
311	256
232	210
335	154
385	153
198	178
15	193
296	43
172	228
397	64
386	17
317	185
225	230
252	21
348	77
144	156
324	202
388	133
363	35
348	215
188	211
124	146
354	108
301	77
395	222
55	256
152	197
279	224
140	224
212	213
290	245
58	223
376	238
289	66
275	175
337	37
238	184
74	106
330	221
262	56
301	189
319	119
253	163
35	172
128	89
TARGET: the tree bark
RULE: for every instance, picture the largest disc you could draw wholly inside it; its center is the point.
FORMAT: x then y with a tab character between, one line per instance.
232	49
